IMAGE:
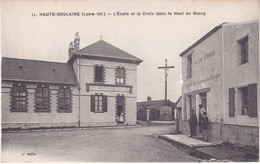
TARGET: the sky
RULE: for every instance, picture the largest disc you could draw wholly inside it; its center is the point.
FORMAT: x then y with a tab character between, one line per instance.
152	38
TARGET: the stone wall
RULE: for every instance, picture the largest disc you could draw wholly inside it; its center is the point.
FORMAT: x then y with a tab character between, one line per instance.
243	135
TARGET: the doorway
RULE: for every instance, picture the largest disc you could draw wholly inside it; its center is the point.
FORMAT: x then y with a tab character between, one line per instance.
120	109
203	97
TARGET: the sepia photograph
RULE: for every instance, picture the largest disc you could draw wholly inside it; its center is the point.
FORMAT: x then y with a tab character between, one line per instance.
130	81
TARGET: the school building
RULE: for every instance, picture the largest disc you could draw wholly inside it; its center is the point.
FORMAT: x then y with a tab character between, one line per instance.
221	72
97	83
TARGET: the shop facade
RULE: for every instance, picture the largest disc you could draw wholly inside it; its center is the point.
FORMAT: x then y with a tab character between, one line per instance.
221	72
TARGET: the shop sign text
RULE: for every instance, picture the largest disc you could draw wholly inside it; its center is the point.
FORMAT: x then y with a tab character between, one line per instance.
205	57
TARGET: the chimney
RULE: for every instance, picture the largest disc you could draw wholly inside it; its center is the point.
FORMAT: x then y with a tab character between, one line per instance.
71	50
149	98
76	41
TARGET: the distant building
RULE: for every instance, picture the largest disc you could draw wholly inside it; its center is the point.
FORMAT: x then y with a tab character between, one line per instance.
221	72
96	87
155	110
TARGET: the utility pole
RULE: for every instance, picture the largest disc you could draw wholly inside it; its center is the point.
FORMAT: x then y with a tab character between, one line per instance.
165	68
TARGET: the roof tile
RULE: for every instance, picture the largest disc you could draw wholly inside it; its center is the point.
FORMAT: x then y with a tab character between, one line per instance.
104	49
37	71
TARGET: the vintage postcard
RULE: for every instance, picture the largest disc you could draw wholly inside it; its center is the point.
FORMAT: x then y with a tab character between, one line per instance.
130	81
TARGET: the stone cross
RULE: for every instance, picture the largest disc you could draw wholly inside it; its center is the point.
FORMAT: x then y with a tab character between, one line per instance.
165	68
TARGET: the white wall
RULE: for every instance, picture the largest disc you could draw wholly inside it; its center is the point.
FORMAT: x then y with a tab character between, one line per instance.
37	119
206	73
89	118
237	75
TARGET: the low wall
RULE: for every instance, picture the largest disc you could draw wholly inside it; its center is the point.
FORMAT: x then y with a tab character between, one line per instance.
243	135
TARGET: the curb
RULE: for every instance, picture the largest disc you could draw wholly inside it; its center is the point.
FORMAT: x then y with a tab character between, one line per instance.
175	143
192	149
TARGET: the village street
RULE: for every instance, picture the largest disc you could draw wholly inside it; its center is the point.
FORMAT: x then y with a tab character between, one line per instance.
121	144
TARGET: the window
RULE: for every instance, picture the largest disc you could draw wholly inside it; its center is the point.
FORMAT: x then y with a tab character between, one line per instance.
189	67
64	99
120	75
244	108
98	103
19	98
243	101
244	50
99	74
42	98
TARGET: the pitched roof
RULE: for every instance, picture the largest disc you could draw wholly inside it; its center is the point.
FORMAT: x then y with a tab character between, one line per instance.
156	104
178	103
37	71
103	50
202	39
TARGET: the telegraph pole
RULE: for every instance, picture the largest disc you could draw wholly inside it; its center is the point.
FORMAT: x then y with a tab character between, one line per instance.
166	68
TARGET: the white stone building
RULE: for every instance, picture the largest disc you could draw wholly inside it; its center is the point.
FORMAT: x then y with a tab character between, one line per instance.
221	72
96	87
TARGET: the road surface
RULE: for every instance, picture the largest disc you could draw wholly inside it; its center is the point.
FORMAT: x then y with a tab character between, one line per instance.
121	144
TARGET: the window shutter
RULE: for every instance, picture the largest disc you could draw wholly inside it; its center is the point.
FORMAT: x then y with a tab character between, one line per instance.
232	102
117	72
95	73
252	100
104	103
92	103
124	76
103	74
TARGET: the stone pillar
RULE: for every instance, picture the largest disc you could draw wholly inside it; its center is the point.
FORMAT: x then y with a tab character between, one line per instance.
148	114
